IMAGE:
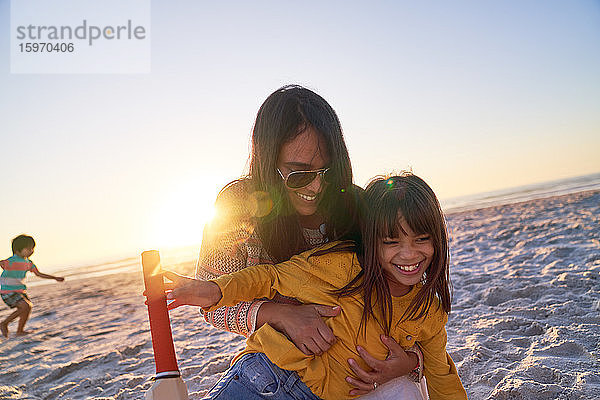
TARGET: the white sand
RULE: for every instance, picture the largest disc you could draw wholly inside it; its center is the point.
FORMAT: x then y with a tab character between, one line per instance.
525	322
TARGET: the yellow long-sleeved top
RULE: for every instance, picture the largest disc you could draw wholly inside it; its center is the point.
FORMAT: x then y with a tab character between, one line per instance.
311	280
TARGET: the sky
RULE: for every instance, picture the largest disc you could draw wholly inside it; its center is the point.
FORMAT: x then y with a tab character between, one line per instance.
473	96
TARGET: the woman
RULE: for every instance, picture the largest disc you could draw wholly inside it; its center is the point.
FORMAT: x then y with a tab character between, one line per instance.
298	195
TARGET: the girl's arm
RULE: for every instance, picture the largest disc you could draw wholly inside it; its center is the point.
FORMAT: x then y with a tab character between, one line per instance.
443	381
189	291
300	323
265	280
258	281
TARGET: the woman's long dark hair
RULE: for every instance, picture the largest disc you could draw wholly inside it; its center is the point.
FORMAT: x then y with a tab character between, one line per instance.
285	114
386	199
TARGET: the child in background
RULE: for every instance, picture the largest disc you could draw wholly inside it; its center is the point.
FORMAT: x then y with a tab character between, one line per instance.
396	284
12	282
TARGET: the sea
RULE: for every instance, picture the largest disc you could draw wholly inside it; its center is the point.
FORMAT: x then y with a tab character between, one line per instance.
522	193
452	205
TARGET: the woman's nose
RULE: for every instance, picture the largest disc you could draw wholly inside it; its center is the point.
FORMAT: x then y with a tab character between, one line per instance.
316	185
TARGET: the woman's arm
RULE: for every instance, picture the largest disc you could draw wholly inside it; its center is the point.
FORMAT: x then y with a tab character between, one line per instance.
229	244
302	324
265	280
239	318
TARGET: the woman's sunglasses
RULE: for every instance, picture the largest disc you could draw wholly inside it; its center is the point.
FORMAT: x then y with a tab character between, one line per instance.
300	179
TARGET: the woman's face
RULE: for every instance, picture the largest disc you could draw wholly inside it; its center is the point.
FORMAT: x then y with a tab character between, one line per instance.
307	151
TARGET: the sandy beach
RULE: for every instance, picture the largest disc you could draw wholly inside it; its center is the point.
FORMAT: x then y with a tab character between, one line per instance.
525	322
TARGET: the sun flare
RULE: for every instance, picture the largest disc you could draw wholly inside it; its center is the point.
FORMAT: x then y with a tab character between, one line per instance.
181	216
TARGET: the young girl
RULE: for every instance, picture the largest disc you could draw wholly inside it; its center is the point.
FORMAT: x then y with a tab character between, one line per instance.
395	284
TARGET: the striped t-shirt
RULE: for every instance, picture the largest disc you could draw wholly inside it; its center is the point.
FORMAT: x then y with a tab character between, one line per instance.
13	275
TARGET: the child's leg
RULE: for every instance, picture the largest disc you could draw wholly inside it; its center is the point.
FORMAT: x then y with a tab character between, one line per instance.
22	304
254	377
24	308
14	300
4	324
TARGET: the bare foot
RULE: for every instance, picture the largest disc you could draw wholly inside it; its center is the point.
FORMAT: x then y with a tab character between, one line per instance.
4	329
23	333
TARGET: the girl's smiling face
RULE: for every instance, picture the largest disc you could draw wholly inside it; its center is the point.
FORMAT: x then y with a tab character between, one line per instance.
405	258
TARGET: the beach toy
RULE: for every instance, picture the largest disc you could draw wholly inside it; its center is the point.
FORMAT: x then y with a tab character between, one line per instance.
168	384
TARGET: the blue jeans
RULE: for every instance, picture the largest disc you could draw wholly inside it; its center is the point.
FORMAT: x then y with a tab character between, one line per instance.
255	377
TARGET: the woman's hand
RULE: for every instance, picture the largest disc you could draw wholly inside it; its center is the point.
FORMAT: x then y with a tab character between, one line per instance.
398	363
188	291
302	324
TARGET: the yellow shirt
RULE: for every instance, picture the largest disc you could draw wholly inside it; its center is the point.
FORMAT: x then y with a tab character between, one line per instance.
311	280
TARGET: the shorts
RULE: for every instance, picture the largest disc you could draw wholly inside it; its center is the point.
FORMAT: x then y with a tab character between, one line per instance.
11	299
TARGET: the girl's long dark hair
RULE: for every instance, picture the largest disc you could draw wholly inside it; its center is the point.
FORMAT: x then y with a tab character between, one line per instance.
285	114
386	199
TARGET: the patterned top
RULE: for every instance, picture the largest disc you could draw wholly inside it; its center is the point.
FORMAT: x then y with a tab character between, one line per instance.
313	279
13	275
230	243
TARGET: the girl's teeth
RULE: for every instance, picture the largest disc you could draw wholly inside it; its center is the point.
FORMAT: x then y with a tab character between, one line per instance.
305	197
408	268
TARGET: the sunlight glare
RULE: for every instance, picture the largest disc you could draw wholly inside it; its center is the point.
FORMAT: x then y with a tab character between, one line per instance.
181	216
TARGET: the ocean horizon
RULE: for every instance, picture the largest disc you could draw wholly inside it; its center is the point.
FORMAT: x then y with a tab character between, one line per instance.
522	193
